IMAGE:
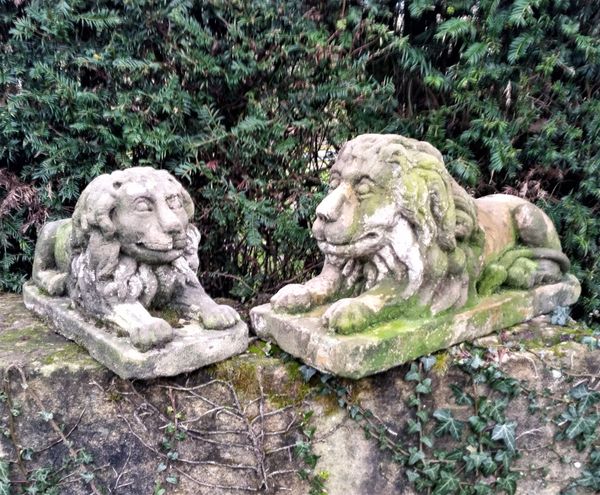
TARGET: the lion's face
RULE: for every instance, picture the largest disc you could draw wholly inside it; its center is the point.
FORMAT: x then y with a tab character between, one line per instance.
360	211
150	220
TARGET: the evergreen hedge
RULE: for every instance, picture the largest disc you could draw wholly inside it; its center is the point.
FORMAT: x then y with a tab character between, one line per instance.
247	100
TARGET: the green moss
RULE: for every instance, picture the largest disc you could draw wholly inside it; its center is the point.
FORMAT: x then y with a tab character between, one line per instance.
493	277
241	372
402	341
443	360
535	337
70	353
43	291
62	246
170	315
409	309
280	389
33	334
258	348
521	273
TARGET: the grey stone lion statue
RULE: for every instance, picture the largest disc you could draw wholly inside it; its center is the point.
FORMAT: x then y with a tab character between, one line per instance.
402	238
129	246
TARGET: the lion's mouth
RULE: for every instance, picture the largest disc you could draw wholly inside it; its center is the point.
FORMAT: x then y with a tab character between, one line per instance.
155	246
370	237
176	243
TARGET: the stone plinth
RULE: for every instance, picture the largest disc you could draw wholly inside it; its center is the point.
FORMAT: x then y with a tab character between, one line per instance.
389	344
192	347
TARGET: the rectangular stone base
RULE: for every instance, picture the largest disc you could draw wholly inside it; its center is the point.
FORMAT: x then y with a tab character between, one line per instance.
191	348
395	342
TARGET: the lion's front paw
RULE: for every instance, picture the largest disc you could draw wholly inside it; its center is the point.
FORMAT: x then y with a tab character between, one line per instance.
293	298
218	316
154	333
347	316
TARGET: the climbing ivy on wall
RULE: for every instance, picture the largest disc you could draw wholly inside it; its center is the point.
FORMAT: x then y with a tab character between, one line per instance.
247	101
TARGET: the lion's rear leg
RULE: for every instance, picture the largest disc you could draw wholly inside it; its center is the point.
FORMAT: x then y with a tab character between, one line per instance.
534	228
524	268
49	271
526	273
544	262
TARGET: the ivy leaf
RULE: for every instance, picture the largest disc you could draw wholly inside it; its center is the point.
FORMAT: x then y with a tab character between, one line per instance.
580	424
447	424
432	471
448	484
414	426
87	476
475	362
479	461
505	457
590	479
493	409
412	475
584	397
415	456
413	375
508	483
172	479
424	387
477	424
46	415
427	362
506	433
461	397
427	441
506	385
482	489
307	372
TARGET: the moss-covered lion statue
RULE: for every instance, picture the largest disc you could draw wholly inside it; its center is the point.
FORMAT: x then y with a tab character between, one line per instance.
401	237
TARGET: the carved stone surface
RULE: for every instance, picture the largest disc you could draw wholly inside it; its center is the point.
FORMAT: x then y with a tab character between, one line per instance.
405	249
130	247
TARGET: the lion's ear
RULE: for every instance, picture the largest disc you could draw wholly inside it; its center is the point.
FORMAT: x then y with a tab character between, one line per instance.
104	205
188	204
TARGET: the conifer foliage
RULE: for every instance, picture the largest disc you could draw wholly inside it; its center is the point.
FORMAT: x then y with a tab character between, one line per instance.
246	101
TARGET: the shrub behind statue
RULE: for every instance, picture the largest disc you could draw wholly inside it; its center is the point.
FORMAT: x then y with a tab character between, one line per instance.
129	246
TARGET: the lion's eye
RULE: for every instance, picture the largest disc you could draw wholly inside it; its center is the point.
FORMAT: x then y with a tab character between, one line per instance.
334	182
174	202
143	205
364	187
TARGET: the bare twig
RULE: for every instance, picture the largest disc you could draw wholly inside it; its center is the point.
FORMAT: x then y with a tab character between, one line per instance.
212	485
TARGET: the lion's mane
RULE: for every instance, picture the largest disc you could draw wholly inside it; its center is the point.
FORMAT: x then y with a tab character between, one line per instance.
441	213
99	270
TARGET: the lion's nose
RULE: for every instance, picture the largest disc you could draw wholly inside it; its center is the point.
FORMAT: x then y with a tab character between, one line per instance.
170	223
330	208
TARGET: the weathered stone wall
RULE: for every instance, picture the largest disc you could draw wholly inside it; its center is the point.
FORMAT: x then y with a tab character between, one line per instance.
232	427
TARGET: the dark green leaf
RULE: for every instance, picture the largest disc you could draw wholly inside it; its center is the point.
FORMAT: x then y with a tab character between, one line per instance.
506	433
447	425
